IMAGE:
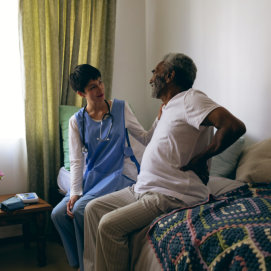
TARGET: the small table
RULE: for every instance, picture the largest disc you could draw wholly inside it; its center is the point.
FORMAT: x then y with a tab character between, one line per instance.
31	213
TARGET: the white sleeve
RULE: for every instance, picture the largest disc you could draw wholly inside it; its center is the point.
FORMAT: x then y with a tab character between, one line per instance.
197	107
76	158
136	129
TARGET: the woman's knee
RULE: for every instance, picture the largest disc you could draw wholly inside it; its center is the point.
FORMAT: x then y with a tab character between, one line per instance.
58	214
78	212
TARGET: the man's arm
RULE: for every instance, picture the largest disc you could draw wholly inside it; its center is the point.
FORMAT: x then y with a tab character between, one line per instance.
229	129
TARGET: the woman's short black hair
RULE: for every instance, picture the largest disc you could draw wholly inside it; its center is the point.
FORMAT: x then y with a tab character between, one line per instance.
81	75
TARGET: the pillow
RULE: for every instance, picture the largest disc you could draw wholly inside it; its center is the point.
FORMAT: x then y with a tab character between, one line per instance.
65	112
225	163
255	163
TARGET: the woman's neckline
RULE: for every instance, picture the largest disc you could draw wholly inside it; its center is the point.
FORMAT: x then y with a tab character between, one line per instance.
111	102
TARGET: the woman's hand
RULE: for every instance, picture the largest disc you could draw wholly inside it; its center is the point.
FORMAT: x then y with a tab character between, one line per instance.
70	205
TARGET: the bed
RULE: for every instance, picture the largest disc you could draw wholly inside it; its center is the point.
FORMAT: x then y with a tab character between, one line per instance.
230	231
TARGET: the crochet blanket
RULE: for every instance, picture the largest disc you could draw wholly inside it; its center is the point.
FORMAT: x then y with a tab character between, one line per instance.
232	232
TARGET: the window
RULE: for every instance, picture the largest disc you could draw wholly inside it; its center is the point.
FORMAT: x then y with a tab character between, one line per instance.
11	91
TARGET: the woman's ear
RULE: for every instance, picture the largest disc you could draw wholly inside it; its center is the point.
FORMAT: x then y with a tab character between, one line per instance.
170	76
82	94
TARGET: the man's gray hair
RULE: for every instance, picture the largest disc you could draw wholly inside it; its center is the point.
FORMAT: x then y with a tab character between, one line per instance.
184	67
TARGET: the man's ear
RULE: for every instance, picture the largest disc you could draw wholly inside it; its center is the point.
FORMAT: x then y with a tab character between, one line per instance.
170	76
82	94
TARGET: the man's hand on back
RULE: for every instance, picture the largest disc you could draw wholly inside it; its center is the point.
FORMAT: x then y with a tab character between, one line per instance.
199	167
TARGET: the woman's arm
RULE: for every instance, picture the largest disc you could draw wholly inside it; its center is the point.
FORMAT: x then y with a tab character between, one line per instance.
136	129
76	158
76	165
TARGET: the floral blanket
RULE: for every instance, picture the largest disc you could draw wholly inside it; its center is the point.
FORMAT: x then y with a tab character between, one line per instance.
232	232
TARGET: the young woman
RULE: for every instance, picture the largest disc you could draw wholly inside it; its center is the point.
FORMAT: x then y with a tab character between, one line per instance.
97	147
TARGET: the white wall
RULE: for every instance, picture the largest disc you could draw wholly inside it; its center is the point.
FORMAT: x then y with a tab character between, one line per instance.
230	42
129	77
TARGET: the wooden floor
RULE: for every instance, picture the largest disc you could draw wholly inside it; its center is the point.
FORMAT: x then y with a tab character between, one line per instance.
14	257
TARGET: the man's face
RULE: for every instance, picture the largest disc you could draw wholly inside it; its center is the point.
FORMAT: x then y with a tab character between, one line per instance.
158	81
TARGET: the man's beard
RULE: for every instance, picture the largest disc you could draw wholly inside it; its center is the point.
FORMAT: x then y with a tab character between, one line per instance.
158	88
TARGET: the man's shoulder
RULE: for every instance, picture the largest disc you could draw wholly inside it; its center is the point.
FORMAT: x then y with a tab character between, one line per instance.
192	92
189	94
195	96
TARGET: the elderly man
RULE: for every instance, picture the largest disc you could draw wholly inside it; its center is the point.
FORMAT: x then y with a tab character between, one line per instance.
174	170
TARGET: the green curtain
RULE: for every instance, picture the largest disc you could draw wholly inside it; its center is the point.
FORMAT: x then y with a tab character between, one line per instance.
57	35
87	35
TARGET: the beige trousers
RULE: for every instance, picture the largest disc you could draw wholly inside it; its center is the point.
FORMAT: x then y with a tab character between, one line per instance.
110	219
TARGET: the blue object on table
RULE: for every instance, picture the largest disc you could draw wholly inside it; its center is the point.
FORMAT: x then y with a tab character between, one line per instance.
12	204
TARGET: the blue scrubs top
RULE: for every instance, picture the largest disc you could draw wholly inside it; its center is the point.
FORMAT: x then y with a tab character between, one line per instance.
104	162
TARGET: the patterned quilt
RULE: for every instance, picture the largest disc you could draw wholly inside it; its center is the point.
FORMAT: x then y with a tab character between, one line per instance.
232	232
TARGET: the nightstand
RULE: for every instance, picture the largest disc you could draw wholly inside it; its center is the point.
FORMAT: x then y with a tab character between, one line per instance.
32	213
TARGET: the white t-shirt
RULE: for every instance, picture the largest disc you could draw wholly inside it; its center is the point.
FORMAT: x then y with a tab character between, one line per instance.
75	147
177	138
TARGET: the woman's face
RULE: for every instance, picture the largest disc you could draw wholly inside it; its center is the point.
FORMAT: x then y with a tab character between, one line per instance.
94	91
